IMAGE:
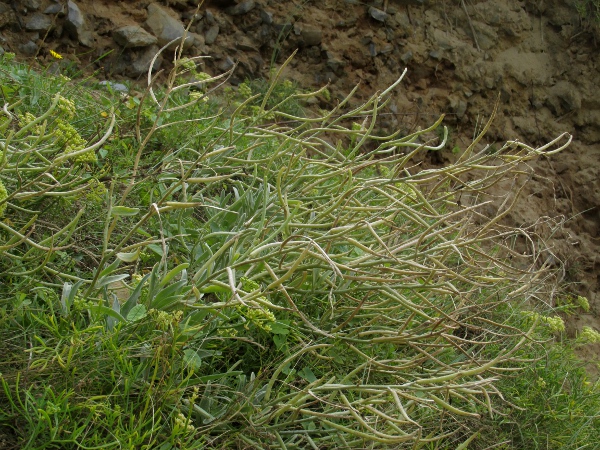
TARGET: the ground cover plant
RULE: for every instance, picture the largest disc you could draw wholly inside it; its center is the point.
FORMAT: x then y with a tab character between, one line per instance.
184	271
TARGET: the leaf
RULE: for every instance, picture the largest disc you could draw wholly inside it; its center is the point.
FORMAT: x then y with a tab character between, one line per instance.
101	309
64	298
279	340
129	257
110	269
307	374
218	376
124	211
280	327
169	276
105	281
136	313
135	295
168	296
191	358
156	249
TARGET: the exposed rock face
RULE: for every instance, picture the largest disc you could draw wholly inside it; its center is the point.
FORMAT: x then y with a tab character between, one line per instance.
166	28
133	36
38	22
76	25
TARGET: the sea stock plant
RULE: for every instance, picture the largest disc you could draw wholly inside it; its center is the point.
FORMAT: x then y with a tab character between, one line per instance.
263	281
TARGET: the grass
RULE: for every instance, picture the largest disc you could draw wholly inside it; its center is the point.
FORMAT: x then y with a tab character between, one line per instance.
189	270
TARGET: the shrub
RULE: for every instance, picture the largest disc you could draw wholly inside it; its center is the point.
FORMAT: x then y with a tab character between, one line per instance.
294	282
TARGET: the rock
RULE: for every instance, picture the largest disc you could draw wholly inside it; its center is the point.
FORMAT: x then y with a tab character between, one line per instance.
245	44
119	87
141	62
407	57
166	28
226	64
32	5
372	49
563	97
133	36
266	17
211	34
311	37
56	8
76	25
210	18
378	14
38	22
435	54
457	105
241	8
387	48
29	48
7	15
335	64
486	35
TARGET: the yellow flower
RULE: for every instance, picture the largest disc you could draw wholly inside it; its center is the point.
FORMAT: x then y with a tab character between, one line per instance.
56	55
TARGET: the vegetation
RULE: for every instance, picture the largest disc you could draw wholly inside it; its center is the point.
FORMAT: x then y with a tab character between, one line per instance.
180	270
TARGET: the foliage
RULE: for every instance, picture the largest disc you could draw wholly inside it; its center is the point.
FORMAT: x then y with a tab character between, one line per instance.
589	10
209	277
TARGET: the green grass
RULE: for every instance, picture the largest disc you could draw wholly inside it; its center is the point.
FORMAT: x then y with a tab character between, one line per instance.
195	270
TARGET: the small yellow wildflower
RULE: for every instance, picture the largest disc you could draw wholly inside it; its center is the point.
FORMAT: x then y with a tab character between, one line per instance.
55	54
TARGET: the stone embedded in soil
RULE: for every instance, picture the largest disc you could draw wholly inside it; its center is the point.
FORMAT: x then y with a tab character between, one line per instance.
32	5
166	28
7	15
76	25
211	34
241	8
38	22
311	37
266	17
56	8
29	48
119	87
563	98
142	60
378	14
133	36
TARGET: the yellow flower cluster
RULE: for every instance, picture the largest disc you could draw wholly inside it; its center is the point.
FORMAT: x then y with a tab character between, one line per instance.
554	323
164	319
196	95
67	107
261	317
589	336
26	119
3	195
583	303
187	64
96	191
68	136
182	422
244	90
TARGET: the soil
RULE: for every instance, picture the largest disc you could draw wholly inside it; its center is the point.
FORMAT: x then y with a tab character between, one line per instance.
538	58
